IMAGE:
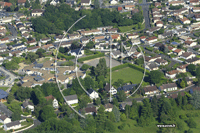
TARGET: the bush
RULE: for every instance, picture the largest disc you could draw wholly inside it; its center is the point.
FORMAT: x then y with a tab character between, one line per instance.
91	57
29	120
191	123
183	116
122	126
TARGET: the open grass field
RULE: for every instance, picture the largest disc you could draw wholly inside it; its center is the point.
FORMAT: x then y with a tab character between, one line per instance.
127	74
4	88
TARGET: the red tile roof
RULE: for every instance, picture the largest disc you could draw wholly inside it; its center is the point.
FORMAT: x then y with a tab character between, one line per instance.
119	8
7	4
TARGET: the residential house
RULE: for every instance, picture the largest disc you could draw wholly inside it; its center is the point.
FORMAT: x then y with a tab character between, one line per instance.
12	125
119	9
182	68
171	74
132	36
128	1
76	52
18	46
45	40
185	21
196	9
28	104
123	105
4	119
4	40
168	87
157	4
143	38
152	39
108	107
115	37
93	94
187	55
159	24
127	88
155	10
113	2
73	36
152	66
90	32
190	43
194	2
178	52
85	2
72	99
54	102
21	2
176	3
196	17
3	95
150	90
26	35
137	54
90	110
33	49
32	42
112	30
47	47
37	12
116	54
194	61
161	62
60	38
129	7
111	90
99	38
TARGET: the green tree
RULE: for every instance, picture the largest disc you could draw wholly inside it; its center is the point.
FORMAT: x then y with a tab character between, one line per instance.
85	67
101	68
195	99
96	4
10	98
47	112
121	96
191	67
191	123
32	56
182	84
90	45
27	4
98	101
16	116
116	113
109	126
154	106
179	100
156	76
123	117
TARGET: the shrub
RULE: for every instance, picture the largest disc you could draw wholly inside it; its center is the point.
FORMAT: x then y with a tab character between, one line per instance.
191	123
122	126
183	116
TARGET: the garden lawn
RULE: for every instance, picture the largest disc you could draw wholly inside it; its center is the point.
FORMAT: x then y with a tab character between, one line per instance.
127	74
4	88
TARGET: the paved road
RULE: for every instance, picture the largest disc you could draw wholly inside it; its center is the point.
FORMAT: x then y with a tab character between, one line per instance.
145	8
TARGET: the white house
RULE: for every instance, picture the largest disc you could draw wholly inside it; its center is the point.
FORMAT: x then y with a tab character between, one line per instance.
185	21
152	39
54	102
93	94
172	74
113	91
4	119
150	90
113	2
187	55
182	68
71	99
12	125
37	12
76	52
108	107
85	2
168	87
28	105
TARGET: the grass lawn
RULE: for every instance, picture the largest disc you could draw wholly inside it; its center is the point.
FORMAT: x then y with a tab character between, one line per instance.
4	88
126	28
127	74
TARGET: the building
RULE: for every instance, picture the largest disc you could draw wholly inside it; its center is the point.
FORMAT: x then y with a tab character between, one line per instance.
172	74
168	87
187	55
185	21
71	99
54	101
3	95
123	105
194	61
85	2
28	104
90	110
150	90
4	119
93	94
37	12
12	125
152	39
108	107
182	68
127	88
21	2
113	91
76	52
159	24
178	51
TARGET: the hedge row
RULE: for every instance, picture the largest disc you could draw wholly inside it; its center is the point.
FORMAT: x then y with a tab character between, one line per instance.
60	55
141	69
91	57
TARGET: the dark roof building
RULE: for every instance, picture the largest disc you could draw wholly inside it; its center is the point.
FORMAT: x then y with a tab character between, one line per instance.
71	97
3	94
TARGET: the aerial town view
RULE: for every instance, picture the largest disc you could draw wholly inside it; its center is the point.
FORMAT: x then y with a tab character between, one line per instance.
99	66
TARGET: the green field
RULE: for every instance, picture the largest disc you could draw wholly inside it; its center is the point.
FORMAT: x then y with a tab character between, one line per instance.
4	88
127	74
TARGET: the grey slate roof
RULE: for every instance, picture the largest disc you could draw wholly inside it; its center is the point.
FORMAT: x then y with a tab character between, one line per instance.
12	123
3	117
126	87
71	97
3	94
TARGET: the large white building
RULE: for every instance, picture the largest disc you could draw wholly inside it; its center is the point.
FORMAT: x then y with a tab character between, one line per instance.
71	99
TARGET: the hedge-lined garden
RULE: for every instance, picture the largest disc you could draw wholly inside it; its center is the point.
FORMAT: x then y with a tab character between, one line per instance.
91	57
